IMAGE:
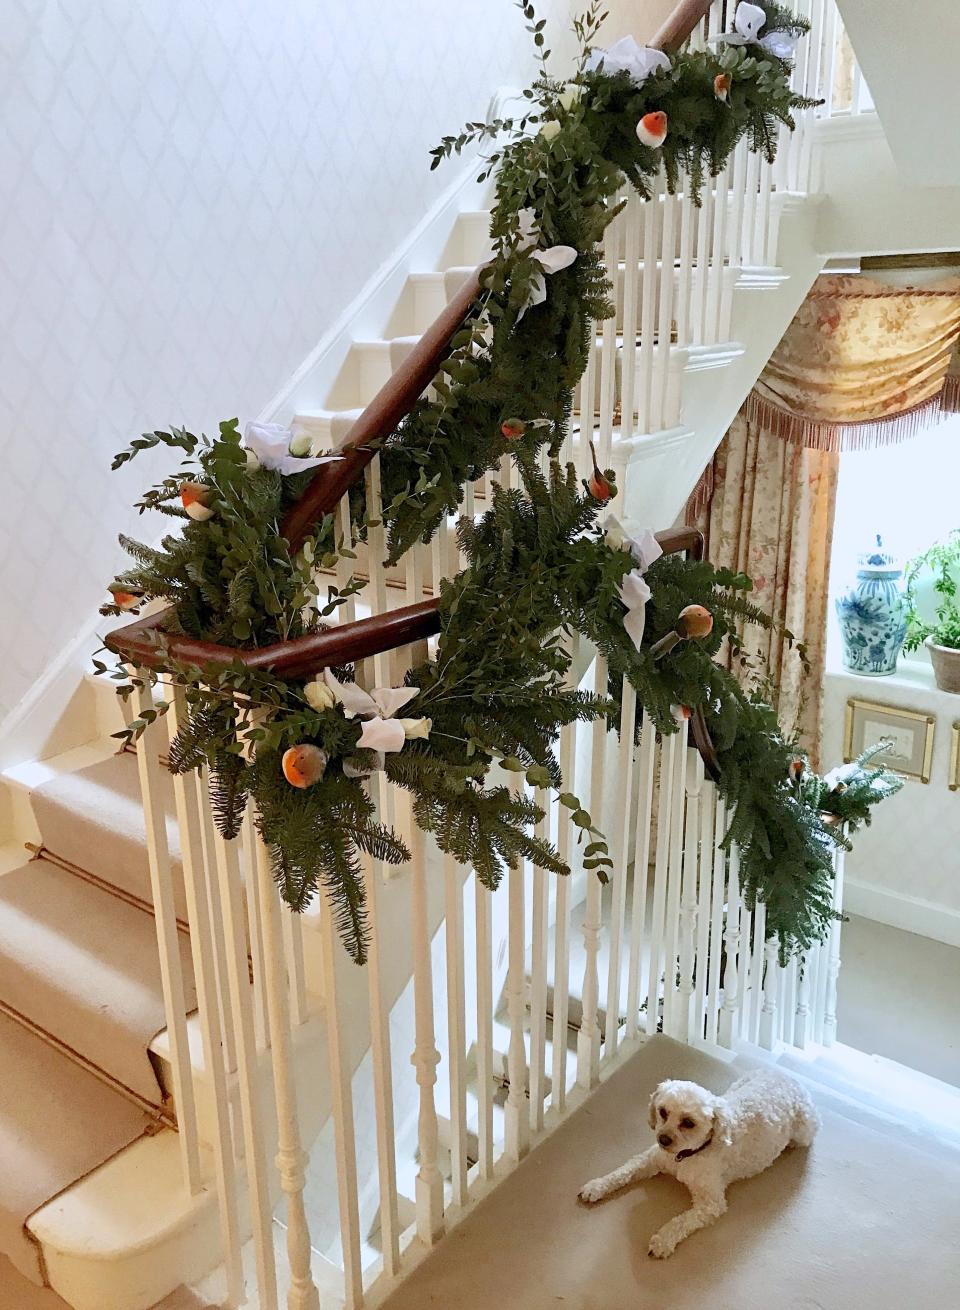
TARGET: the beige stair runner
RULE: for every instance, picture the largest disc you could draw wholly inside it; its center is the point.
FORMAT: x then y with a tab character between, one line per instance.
80	996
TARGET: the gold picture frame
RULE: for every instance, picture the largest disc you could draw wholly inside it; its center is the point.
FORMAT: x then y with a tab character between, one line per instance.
953	779
911	732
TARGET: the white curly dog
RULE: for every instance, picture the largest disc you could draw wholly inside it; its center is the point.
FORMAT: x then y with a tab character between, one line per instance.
708	1142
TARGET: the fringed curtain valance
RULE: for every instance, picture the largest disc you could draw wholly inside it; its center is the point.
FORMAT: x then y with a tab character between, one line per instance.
862	364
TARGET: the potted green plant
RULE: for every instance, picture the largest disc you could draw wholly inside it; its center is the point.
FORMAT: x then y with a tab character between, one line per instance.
933	611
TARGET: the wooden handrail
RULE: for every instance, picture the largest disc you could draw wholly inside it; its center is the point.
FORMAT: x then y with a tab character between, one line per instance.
393	402
680	25
397	397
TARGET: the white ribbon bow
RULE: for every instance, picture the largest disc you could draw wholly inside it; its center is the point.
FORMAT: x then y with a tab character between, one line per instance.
844	773
634	590
747	22
551	261
628	56
381	730
270	442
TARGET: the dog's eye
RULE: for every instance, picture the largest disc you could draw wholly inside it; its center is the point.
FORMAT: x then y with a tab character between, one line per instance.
663	1113
687	1123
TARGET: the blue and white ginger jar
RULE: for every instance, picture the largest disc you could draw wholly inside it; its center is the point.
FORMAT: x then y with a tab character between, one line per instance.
871	614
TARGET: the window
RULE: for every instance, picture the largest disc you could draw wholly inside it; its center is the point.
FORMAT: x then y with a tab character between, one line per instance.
909	493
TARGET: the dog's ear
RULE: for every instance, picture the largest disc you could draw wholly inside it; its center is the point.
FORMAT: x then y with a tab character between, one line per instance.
722	1121
652	1112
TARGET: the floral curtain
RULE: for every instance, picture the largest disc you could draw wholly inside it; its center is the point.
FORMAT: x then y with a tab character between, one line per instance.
771	516
862	364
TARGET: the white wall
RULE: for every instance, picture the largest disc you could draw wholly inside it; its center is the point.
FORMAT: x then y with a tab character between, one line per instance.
192	191
904	869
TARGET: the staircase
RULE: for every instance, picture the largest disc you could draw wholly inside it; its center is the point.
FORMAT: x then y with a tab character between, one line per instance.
153	1089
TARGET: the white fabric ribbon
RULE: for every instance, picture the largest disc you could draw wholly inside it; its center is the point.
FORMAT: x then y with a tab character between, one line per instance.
628	56
270	442
381	730
844	773
551	261
634	590
747	22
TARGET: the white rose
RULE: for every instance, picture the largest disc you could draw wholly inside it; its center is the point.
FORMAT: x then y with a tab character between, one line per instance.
550	129
300	445
319	696
571	96
414	728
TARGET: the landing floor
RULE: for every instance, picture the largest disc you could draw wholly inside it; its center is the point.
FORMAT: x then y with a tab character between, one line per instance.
861	1220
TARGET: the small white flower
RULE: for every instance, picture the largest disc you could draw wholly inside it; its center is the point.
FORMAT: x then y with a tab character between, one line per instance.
271	445
570	96
550	129
628	56
300	445
416	729
319	696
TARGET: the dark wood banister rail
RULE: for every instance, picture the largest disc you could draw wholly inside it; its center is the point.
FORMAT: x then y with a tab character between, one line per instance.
144	643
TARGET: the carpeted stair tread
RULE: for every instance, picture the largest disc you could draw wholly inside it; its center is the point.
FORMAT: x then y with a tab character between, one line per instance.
83	965
57	1123
94	819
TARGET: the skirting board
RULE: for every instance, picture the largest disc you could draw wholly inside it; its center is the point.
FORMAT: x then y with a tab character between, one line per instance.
898	910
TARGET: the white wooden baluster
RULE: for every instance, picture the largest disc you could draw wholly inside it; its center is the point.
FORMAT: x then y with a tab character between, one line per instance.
633	220
484	1030
456	1026
746	971
538	979
291	927
426	1057
718	272
771	987
165	920
751	199
641	870
561	940
231	911
674	877
588	393
254	928
661	382
704	891
788	1001
608	350
516	1111
719	860
731	975
833	954
668	753
648	305
801	1026
756	970
224	995
618	853
201	947
381	1056
291	1158
734	247
704	263
688	224
347	612
588	1038
688	895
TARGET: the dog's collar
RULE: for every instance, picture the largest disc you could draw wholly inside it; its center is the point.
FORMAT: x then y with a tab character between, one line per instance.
685	1155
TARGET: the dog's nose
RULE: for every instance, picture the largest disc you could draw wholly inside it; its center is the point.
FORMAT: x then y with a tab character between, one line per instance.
665	1139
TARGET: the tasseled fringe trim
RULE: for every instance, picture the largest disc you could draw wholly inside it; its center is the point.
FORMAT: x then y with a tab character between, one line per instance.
698	502
950	396
867	434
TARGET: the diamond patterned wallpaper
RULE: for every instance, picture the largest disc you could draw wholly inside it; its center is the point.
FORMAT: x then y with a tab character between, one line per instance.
192	190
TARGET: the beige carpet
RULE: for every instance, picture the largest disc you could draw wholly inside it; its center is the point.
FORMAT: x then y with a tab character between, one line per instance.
57	1122
94	818
83	965
860	1222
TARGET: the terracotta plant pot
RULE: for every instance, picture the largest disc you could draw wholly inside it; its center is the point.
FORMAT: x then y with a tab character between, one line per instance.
946	666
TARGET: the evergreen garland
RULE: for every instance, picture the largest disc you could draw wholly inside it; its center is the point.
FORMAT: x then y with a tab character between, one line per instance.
493	700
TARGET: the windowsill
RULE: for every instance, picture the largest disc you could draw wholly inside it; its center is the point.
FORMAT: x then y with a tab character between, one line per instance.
913	675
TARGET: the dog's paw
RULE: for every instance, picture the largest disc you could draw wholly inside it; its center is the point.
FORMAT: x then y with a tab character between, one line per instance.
592	1191
659	1247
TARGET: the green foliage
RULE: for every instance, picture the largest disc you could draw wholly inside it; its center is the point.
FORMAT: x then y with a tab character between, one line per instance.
943	561
540	575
